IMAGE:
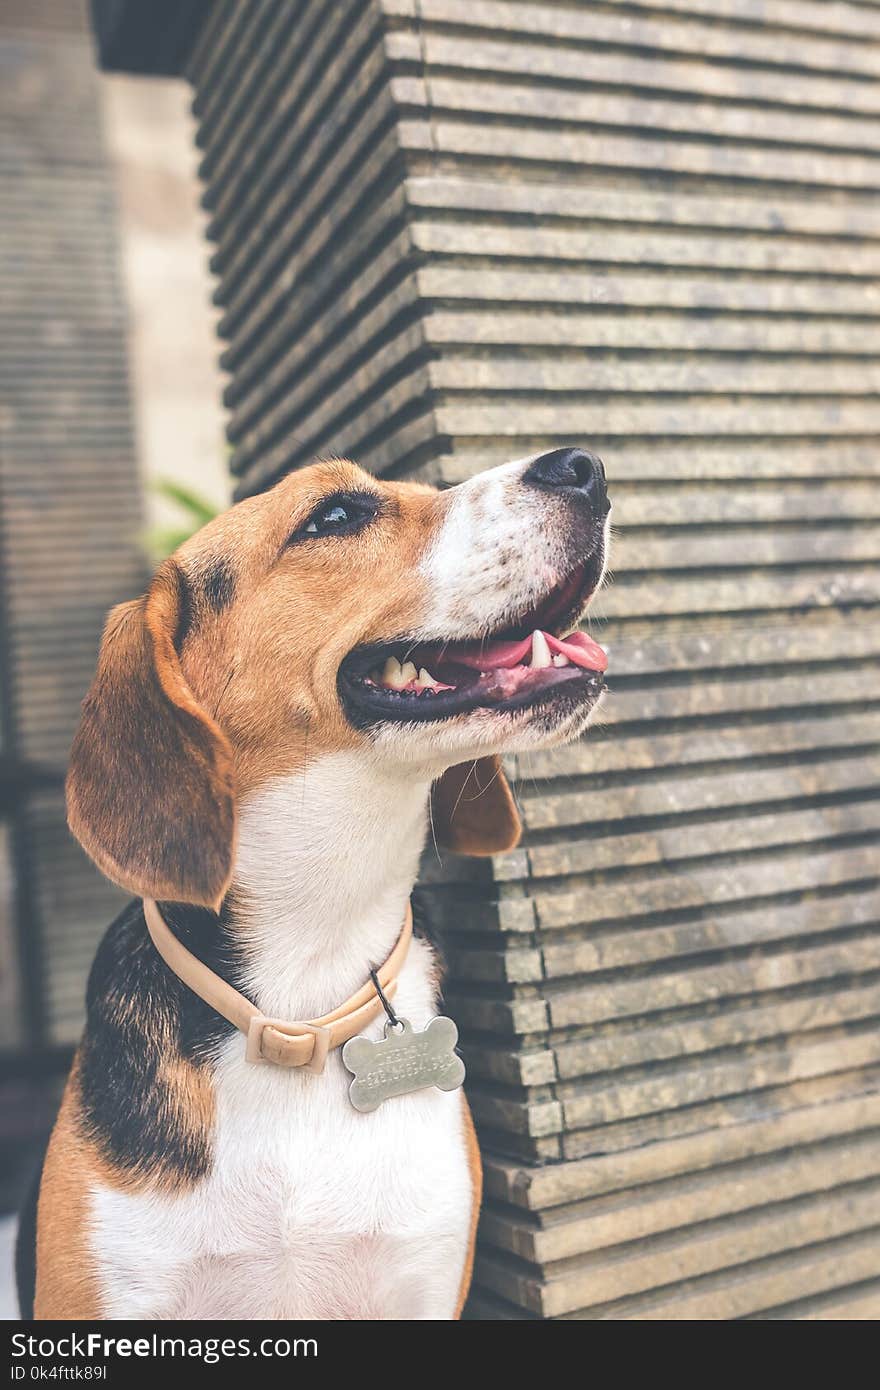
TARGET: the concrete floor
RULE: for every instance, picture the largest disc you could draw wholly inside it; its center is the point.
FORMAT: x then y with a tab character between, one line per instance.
8	1304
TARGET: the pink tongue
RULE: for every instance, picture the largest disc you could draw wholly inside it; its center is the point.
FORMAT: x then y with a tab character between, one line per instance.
580	649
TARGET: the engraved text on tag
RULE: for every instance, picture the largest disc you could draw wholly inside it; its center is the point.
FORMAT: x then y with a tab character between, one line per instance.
404	1060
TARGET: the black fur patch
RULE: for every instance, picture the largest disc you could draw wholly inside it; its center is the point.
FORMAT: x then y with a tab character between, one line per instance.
184	608
141	1021
212	591
218	585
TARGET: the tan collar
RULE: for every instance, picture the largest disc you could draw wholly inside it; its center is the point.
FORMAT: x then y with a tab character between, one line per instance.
274	1039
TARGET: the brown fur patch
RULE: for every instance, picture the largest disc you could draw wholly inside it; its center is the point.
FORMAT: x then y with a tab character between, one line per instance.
190	1095
473	809
150	787
67	1284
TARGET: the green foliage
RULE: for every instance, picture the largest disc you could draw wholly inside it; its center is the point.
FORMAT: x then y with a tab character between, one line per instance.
161	541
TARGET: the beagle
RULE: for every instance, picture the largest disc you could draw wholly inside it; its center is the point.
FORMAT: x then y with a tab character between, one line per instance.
255	762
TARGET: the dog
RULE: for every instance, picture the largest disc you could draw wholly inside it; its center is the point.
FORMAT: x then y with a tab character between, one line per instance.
316	682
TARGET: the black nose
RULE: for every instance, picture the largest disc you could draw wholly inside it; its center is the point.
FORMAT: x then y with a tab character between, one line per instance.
573	472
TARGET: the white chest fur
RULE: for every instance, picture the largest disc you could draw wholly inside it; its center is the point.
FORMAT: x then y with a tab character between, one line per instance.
311	1209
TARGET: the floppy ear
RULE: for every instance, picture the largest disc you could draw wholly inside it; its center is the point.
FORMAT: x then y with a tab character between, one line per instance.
473	809
150	787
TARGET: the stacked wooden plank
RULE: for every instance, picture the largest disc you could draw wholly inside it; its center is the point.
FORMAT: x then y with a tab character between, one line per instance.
453	232
68	486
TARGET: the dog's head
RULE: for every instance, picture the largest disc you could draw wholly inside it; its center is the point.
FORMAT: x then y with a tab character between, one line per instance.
340	611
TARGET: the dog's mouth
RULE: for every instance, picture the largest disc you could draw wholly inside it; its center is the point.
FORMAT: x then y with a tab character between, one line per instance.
523	665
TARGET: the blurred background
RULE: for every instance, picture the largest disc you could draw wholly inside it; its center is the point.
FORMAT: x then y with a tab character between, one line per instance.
435	235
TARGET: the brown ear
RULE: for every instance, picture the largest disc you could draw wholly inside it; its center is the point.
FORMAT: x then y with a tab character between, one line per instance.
150	789
473	809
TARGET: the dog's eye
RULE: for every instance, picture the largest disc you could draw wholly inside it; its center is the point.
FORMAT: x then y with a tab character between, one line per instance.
331	517
340	515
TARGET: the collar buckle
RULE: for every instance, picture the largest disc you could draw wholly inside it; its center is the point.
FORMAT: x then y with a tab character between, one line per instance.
320	1032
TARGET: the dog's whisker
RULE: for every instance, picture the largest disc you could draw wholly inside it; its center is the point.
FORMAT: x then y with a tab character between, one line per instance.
471	771
437	853
222	695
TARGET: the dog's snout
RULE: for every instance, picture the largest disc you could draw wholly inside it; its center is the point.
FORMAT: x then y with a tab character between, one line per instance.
571	472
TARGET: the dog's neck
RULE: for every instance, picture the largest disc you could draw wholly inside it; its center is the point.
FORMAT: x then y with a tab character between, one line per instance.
326	860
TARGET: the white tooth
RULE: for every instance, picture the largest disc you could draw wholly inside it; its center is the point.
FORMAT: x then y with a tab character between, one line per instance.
560	659
426	680
392	674
540	651
408	673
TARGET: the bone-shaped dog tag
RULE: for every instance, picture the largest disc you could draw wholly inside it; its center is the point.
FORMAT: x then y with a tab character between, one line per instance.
403	1061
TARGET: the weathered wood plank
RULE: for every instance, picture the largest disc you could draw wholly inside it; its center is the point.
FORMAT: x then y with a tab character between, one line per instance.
666	415
584	106
280	277
571	150
825	16
729	505
646	1211
322	283
608	950
825	638
797	1060
214	49
858	1303
592	1280
646	460
315	357
327	428
223	104
618	998
716	83
565	330
772	922
660	1126
718	743
748	1288
660	376
595	26
757	1133
599	860
317	419
713	791
318	103
696	886
782	294
609	201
